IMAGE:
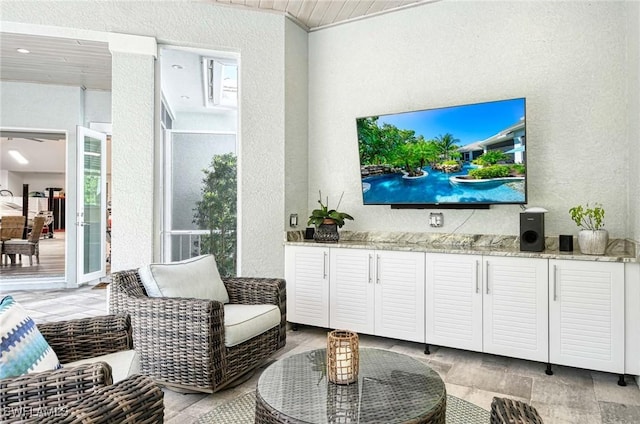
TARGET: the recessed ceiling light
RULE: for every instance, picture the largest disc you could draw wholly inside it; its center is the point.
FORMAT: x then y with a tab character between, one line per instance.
17	156
25	51
177	66
184	97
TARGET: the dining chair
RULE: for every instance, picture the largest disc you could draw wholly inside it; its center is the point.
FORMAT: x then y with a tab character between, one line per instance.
30	246
12	227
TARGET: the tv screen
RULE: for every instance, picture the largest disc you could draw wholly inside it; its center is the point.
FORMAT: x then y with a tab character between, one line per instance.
469	156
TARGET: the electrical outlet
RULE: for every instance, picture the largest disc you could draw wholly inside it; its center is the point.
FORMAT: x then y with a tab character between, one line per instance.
436	219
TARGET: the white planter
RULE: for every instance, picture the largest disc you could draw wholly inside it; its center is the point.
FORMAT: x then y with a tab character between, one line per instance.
593	242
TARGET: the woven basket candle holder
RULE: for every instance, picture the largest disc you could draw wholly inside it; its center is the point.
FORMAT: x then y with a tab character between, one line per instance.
343	358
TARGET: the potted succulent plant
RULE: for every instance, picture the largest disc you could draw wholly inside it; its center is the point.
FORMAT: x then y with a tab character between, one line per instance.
327	221
592	238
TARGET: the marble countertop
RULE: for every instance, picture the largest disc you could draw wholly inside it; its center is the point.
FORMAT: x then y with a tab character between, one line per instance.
618	250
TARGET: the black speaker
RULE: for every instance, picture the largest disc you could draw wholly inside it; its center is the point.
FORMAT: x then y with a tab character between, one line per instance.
532	232
308	233
566	243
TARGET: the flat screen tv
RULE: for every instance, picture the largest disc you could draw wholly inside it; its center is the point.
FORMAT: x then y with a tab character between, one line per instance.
464	156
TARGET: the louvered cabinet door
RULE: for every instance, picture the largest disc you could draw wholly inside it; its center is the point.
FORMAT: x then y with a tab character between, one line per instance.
307	277
586	314
515	307
351	290
454	301
399	295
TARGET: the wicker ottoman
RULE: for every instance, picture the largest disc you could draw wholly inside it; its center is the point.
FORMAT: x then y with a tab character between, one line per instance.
509	411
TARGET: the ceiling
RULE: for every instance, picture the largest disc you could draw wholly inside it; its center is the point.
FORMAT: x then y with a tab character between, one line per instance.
51	60
316	14
83	63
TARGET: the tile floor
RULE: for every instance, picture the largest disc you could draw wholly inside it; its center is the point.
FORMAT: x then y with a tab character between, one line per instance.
570	396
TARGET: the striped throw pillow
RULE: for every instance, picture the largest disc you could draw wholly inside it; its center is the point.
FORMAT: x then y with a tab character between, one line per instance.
23	349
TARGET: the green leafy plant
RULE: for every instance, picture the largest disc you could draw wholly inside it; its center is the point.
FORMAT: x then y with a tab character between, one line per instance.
319	215
216	212
588	218
518	169
493	171
491	158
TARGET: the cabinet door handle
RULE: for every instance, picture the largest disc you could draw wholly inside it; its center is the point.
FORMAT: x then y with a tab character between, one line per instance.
486	275
324	266
475	275
377	269
555	280
370	277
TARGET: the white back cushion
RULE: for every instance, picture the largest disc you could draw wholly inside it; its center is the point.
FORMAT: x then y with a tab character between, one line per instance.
193	278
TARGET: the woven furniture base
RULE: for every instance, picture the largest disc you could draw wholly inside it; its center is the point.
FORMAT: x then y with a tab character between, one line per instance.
242	411
509	411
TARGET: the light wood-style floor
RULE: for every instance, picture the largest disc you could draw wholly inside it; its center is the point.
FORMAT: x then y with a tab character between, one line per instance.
52	261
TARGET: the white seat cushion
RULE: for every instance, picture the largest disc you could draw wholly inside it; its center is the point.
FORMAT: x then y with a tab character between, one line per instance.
243	322
192	278
123	363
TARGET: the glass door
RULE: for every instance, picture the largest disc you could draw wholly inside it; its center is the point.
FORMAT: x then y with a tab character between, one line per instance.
92	208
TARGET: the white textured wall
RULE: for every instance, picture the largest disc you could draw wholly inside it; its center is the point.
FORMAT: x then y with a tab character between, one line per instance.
566	58
633	90
259	38
296	124
43	106
97	106
133	160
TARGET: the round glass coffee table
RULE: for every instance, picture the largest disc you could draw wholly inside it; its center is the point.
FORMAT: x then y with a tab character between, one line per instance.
391	388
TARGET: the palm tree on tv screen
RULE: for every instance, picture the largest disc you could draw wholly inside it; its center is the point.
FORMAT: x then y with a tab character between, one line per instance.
447	145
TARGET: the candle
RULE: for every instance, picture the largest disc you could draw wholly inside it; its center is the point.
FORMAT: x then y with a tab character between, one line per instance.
342	357
343	363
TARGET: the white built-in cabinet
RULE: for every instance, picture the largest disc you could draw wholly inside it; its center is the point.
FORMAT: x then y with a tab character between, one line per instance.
377	292
351	290
586	314
307	276
565	312
454	301
367	291
515	314
492	304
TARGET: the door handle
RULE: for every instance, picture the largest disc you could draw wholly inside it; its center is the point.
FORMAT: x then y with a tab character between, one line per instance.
377	269
370	277
324	266
555	280
486	275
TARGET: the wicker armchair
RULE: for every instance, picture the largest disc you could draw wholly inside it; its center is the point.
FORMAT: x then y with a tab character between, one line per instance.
181	341
82	393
